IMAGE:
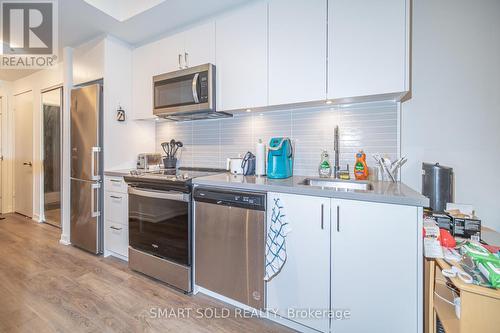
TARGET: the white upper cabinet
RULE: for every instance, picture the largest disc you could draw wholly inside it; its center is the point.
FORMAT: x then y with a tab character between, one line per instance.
169	53
186	49
199	45
297	51
368	47
304	281
241	44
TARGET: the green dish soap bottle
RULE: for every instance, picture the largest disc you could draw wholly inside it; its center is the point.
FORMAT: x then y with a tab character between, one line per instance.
325	168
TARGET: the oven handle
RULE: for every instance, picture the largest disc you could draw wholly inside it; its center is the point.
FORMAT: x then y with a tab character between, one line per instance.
171	195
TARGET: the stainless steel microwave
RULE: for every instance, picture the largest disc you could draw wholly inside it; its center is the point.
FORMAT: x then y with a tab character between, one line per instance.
186	94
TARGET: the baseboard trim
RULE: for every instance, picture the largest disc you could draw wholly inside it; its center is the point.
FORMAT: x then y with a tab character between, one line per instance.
64	240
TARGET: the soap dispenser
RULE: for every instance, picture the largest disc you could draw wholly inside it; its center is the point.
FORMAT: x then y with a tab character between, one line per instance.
325	168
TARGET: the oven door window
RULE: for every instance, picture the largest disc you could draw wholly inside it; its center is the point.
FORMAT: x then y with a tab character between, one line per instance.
160	227
176	92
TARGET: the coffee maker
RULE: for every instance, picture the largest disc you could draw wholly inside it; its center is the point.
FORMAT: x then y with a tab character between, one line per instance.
280	158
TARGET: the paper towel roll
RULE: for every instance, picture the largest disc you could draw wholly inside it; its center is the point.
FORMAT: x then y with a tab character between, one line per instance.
260	158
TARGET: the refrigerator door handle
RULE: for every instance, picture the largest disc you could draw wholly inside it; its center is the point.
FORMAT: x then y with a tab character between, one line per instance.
93	204
92	164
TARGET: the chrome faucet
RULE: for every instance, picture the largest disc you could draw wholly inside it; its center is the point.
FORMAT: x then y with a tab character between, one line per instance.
336	150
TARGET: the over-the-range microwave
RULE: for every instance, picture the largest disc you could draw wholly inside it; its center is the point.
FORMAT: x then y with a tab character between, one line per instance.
186	94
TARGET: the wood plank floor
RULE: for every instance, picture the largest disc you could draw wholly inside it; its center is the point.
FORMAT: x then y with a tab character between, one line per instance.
48	287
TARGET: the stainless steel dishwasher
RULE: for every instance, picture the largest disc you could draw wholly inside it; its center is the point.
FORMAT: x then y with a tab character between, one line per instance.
230	244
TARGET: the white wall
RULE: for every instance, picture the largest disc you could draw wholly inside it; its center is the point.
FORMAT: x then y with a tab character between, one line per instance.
453	116
6	186
88	61
36	83
122	140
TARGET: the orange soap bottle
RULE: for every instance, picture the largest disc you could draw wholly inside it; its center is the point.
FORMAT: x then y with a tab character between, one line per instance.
360	167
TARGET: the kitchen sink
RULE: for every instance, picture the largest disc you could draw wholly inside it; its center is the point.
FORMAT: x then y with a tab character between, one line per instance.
338	183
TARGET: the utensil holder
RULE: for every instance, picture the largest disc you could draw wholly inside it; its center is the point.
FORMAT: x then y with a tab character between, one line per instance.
169	163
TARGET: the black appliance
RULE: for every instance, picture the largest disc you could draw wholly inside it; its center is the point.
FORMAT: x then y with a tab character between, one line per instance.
437	185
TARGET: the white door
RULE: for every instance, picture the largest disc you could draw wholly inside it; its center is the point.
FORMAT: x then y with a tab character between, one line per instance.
304	281
23	153
374	267
241	46
297	51
368	47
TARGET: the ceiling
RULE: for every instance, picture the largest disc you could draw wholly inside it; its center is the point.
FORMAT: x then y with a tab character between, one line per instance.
126	9
79	21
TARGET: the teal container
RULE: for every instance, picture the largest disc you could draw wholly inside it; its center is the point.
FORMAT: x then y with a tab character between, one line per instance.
280	158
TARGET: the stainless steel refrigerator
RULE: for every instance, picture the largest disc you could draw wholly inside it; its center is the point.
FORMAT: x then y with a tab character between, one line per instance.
86	168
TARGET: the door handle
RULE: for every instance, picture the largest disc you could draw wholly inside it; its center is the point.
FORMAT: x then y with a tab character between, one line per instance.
179	60
93	161
28	164
338	218
194	86
186	60
93	204
322	216
115	228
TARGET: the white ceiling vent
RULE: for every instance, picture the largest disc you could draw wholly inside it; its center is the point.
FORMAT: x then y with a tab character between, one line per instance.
122	10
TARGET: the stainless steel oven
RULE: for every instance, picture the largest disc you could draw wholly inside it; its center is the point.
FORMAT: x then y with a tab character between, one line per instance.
186	93
159	235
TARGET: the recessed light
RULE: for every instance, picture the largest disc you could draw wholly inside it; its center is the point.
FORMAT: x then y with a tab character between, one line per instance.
248	110
328	102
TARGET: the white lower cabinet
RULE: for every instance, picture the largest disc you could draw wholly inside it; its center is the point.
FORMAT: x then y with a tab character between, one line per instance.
117	238
115	217
375	262
304	282
359	260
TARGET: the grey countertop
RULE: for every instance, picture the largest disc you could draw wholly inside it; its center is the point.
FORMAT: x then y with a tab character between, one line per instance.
117	173
383	192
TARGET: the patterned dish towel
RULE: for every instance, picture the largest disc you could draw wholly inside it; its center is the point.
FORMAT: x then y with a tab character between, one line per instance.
278	228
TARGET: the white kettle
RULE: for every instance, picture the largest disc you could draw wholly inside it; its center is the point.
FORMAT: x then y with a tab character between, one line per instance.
234	165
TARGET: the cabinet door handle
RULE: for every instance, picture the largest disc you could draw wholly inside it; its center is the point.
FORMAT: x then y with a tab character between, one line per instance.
115	180
115	197
179	59
322	216
338	218
186	63
115	228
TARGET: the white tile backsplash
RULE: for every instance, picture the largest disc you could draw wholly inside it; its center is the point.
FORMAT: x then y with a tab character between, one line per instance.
208	143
